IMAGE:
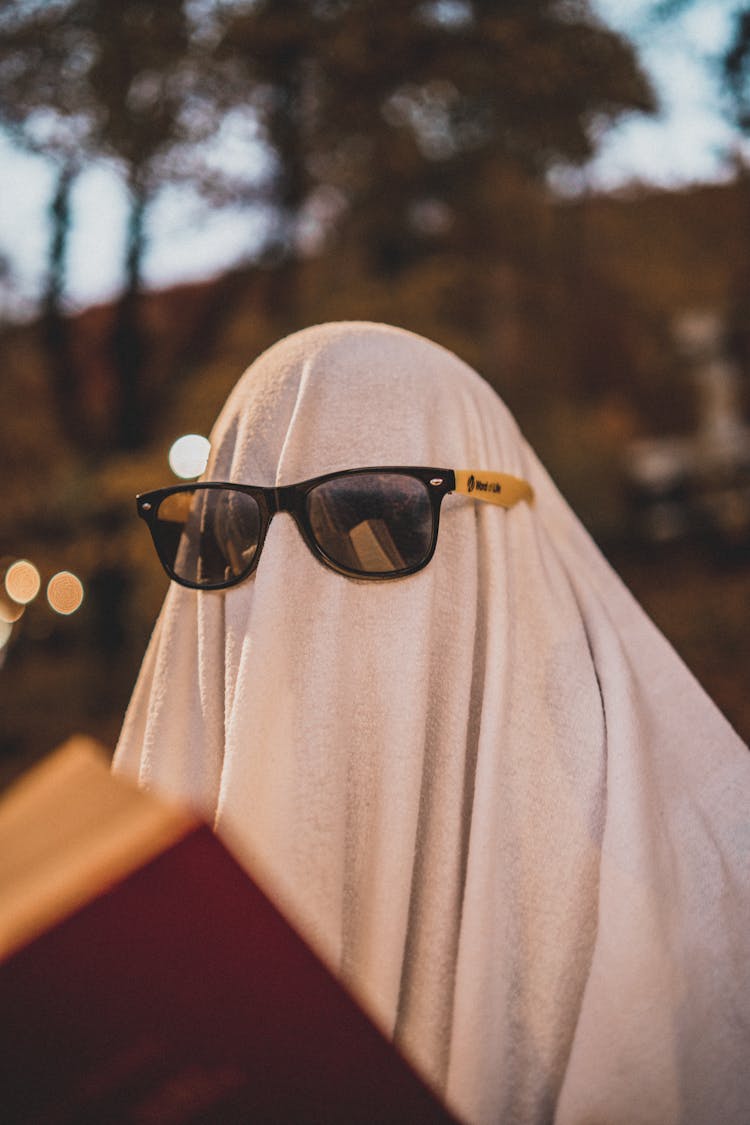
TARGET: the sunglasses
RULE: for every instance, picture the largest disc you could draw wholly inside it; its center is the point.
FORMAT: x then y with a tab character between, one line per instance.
364	523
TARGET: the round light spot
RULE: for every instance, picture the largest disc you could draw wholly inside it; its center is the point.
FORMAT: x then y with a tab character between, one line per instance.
22	581
5	631
188	456
64	592
10	611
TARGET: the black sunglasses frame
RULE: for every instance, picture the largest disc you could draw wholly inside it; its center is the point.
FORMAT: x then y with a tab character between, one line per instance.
292	498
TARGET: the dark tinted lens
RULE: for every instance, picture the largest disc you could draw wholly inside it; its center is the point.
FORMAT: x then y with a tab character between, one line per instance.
375	523
207	535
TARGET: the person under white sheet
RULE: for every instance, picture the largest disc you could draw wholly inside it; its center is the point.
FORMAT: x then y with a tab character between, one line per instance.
488	793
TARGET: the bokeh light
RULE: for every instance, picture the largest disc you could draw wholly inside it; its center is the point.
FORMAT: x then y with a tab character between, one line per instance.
22	581
188	456
64	592
10	611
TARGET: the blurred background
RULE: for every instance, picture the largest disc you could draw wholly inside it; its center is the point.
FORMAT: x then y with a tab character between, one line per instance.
557	190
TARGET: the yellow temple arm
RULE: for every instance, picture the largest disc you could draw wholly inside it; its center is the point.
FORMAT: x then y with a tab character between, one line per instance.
497	488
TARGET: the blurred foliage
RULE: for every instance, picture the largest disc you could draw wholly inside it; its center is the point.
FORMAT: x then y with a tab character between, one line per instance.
378	126
737	69
402	154
90	79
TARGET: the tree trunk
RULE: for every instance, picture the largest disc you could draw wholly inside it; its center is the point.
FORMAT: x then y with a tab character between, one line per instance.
55	325
129	343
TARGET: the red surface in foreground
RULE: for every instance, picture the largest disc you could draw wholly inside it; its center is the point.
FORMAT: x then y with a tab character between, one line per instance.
182	995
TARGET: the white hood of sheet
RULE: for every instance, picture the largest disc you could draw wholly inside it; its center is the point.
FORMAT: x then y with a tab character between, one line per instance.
490	794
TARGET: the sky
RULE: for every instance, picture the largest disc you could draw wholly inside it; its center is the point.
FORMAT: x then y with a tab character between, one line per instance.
690	138
689	141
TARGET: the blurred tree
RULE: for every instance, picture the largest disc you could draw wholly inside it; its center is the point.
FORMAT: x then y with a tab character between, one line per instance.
139	80
394	121
87	79
736	68
43	106
734	73
392	129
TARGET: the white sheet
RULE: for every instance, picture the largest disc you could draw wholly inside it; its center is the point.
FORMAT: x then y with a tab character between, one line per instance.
490	794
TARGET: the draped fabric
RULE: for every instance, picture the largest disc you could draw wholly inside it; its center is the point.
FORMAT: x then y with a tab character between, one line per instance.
489	794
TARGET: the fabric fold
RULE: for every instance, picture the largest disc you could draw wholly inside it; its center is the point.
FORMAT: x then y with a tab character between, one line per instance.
490	794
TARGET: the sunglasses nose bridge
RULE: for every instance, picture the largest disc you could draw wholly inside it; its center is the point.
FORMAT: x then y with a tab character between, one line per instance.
284	498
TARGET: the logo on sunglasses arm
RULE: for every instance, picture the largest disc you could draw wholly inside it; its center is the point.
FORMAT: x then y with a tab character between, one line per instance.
481	485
